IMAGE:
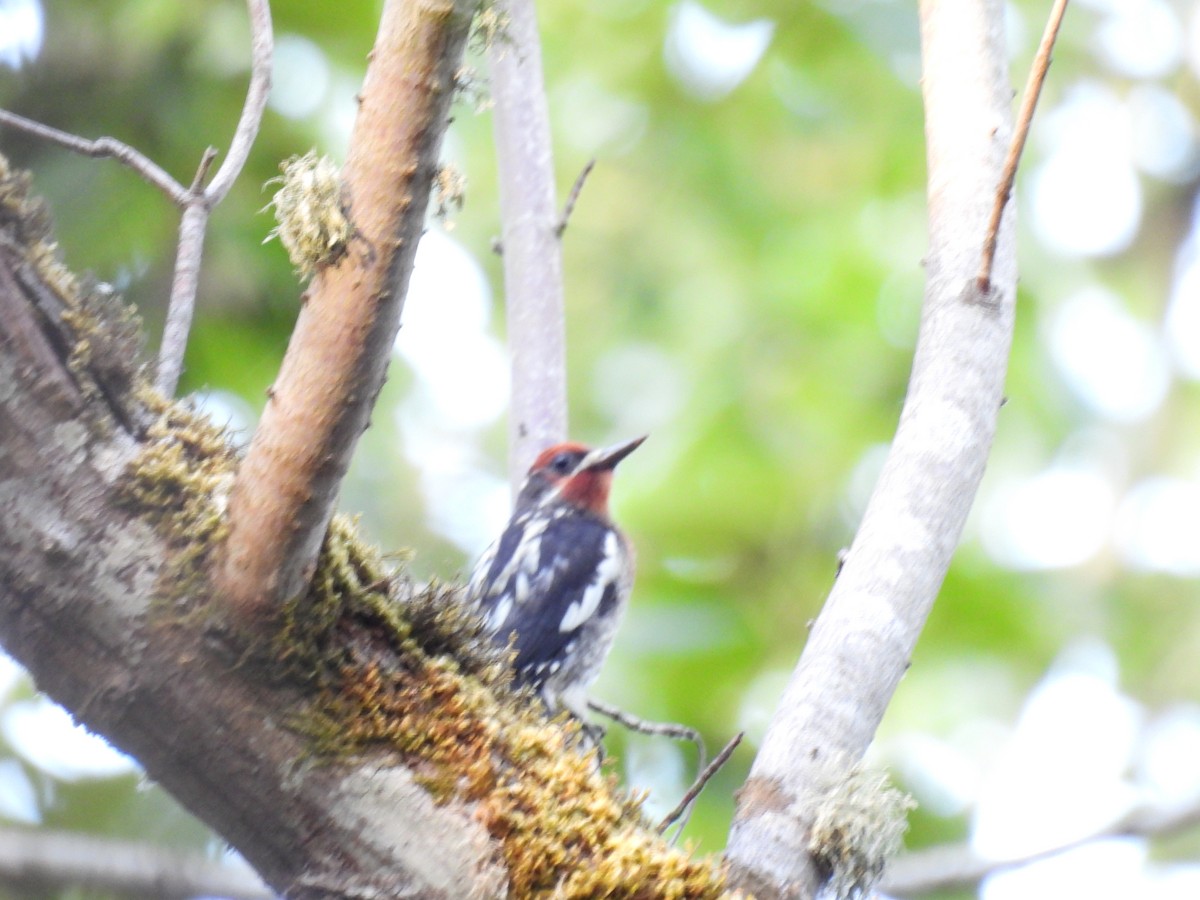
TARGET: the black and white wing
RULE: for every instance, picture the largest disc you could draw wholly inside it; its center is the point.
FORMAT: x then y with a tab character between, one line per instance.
545	580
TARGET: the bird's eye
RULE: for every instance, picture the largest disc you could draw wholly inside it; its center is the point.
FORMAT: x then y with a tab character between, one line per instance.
563	463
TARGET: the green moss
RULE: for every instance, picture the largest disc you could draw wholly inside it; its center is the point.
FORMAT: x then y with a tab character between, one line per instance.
28	221
406	668
179	480
106	354
390	666
98	336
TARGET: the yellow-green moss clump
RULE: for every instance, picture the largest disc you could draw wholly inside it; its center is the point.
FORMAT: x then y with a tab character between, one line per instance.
312	225
403	668
28	220
179	480
99	336
408	669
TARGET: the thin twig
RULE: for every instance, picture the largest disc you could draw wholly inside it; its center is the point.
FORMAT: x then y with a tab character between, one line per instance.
201	175
672	730
261	48
199	202
573	198
661	729
959	865
102	148
1033	89
694	791
55	861
184	285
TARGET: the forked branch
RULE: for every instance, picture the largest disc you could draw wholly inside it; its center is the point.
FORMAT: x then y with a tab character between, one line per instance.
196	202
200	200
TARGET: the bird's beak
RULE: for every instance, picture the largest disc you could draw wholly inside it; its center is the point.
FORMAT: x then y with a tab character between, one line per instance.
607	457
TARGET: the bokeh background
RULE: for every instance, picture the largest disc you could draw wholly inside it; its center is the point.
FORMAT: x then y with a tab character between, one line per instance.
743	273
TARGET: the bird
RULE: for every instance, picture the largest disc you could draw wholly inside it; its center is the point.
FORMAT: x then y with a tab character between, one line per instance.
556	581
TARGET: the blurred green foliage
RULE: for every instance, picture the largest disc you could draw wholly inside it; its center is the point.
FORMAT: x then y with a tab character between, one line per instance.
766	246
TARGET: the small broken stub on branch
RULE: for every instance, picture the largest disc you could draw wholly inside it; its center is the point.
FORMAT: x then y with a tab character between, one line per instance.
313	227
981	292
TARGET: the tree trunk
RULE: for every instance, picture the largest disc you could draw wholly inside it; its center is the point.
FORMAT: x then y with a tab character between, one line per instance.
105	606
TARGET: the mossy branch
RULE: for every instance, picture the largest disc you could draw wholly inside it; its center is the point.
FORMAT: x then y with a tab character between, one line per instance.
369	743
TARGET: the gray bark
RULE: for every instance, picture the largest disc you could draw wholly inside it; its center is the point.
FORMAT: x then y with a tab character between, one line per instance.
88	605
861	643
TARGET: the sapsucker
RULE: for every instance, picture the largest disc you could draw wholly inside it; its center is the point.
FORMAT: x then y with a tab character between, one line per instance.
557	579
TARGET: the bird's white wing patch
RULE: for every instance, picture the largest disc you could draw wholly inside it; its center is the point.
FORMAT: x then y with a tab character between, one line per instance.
479	576
499	614
607	573
530	552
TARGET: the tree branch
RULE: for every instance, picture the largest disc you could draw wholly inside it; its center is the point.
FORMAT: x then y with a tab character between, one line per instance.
952	866
52	860
102	597
533	280
185	283
863	639
102	148
336	360
1033	90
198	202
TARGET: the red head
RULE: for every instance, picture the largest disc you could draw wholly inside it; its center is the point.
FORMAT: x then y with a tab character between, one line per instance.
574	474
